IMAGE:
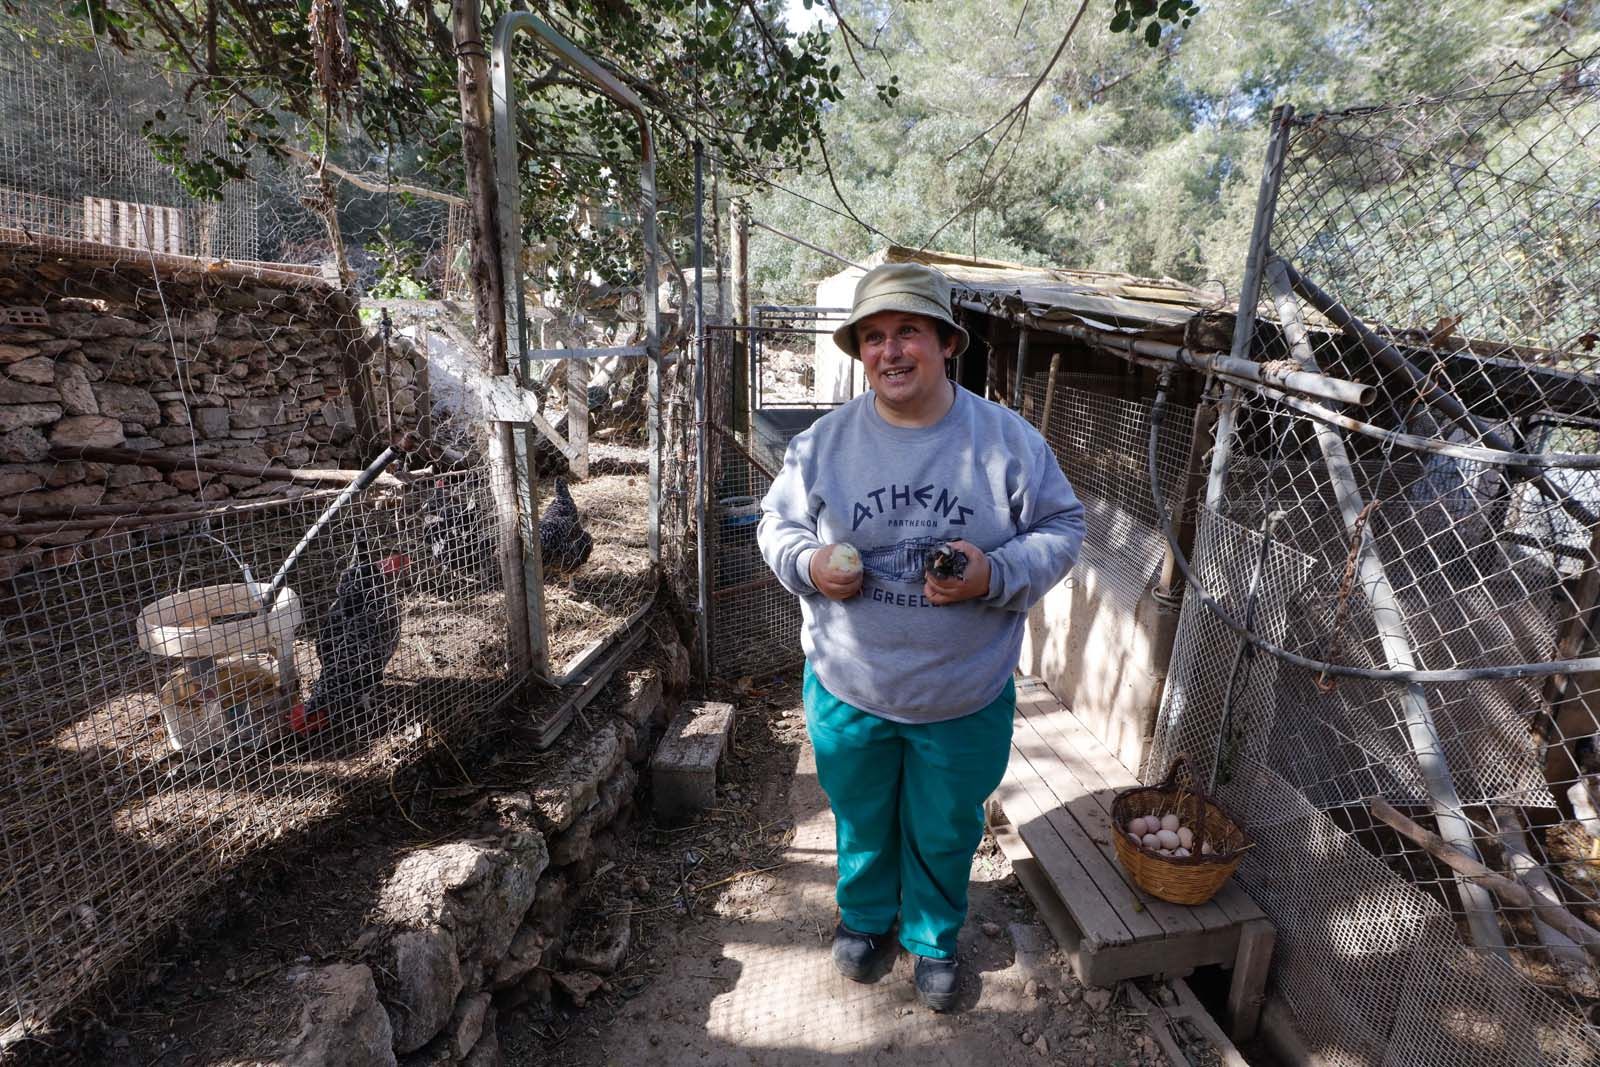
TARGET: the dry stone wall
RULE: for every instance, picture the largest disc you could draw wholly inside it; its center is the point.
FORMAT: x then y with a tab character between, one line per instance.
471	927
222	364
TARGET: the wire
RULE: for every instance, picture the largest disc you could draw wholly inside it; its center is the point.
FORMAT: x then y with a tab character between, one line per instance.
810	200
1158	412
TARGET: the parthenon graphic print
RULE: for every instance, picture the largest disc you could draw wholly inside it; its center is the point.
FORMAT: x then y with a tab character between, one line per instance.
900	562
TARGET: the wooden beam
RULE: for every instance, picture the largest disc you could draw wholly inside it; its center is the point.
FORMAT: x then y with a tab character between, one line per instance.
1475	872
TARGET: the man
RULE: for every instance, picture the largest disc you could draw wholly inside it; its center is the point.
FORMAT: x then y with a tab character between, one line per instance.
908	682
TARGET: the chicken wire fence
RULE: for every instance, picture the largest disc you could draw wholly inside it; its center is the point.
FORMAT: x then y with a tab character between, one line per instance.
1443	252
185	385
757	402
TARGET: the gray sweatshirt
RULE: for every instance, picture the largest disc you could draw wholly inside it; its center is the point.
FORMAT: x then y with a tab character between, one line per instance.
981	474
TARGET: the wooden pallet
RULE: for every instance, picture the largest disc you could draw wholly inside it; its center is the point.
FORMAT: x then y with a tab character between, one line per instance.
1052	817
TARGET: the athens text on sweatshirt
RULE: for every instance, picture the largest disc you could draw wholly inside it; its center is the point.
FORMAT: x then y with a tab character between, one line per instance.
980	474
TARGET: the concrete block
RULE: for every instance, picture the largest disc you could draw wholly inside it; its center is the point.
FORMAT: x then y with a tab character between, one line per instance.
683	771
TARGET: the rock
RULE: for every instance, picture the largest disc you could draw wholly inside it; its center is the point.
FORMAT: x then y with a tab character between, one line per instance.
606	952
77	397
82	431
15	392
678	666
39	370
130	403
253	414
143	493
16	353
17	416
14	482
526	949
479	894
1097	1000
421	980
580	986
486	1053
1030	989
25	445
991	929
211	422
556	804
123	474
571	844
227	350
96	324
466	1026
342	1021
188	481
643	695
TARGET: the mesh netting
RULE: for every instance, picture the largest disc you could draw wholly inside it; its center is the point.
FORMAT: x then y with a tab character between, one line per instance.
1442	252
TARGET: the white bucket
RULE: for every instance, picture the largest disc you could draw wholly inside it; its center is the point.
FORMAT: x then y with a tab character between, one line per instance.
181	624
237	654
233	702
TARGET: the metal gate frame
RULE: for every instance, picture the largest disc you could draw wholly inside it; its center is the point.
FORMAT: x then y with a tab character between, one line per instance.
510	226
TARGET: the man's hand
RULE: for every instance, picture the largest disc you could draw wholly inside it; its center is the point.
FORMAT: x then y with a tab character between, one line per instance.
830	582
973	584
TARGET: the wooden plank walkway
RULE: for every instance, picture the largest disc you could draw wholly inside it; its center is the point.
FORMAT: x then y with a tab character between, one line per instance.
1052	817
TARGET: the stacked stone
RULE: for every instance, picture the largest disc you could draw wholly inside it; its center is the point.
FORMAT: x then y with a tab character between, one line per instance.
227	368
470	927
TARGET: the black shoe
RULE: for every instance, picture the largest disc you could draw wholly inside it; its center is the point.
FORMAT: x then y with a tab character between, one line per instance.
938	982
859	956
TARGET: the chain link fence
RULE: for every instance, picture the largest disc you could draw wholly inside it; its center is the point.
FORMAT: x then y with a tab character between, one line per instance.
1443	252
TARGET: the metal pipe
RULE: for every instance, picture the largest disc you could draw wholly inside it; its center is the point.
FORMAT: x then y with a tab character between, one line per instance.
1022	369
1394	632
1391	358
1434	446
350	492
702	553
1159	353
1244	323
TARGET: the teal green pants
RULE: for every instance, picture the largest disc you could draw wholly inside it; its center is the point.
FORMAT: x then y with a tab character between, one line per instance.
908	806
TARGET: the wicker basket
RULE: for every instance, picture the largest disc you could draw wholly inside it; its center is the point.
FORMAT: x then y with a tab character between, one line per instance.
1180	879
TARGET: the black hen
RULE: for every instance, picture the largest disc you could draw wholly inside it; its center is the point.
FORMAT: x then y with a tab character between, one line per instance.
563	542
453	524
945	563
356	640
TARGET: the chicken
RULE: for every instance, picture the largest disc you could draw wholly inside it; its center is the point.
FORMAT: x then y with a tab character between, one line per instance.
453	524
563	542
355	641
945	563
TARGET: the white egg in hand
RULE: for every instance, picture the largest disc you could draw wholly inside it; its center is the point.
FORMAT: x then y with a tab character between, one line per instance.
844	561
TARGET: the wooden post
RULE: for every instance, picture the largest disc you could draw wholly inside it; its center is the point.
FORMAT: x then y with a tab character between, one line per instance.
741	309
425	398
578	416
488	302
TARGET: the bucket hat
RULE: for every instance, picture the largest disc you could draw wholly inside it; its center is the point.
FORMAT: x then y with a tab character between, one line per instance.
909	287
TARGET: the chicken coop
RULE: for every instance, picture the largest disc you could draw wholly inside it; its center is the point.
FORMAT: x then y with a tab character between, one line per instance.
259	547
1342	555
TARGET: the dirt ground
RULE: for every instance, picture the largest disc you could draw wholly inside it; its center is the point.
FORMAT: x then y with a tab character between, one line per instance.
728	963
741	975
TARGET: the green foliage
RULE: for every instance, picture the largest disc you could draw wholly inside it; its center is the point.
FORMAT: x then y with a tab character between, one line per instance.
723	72
1131	158
400	274
1146	19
